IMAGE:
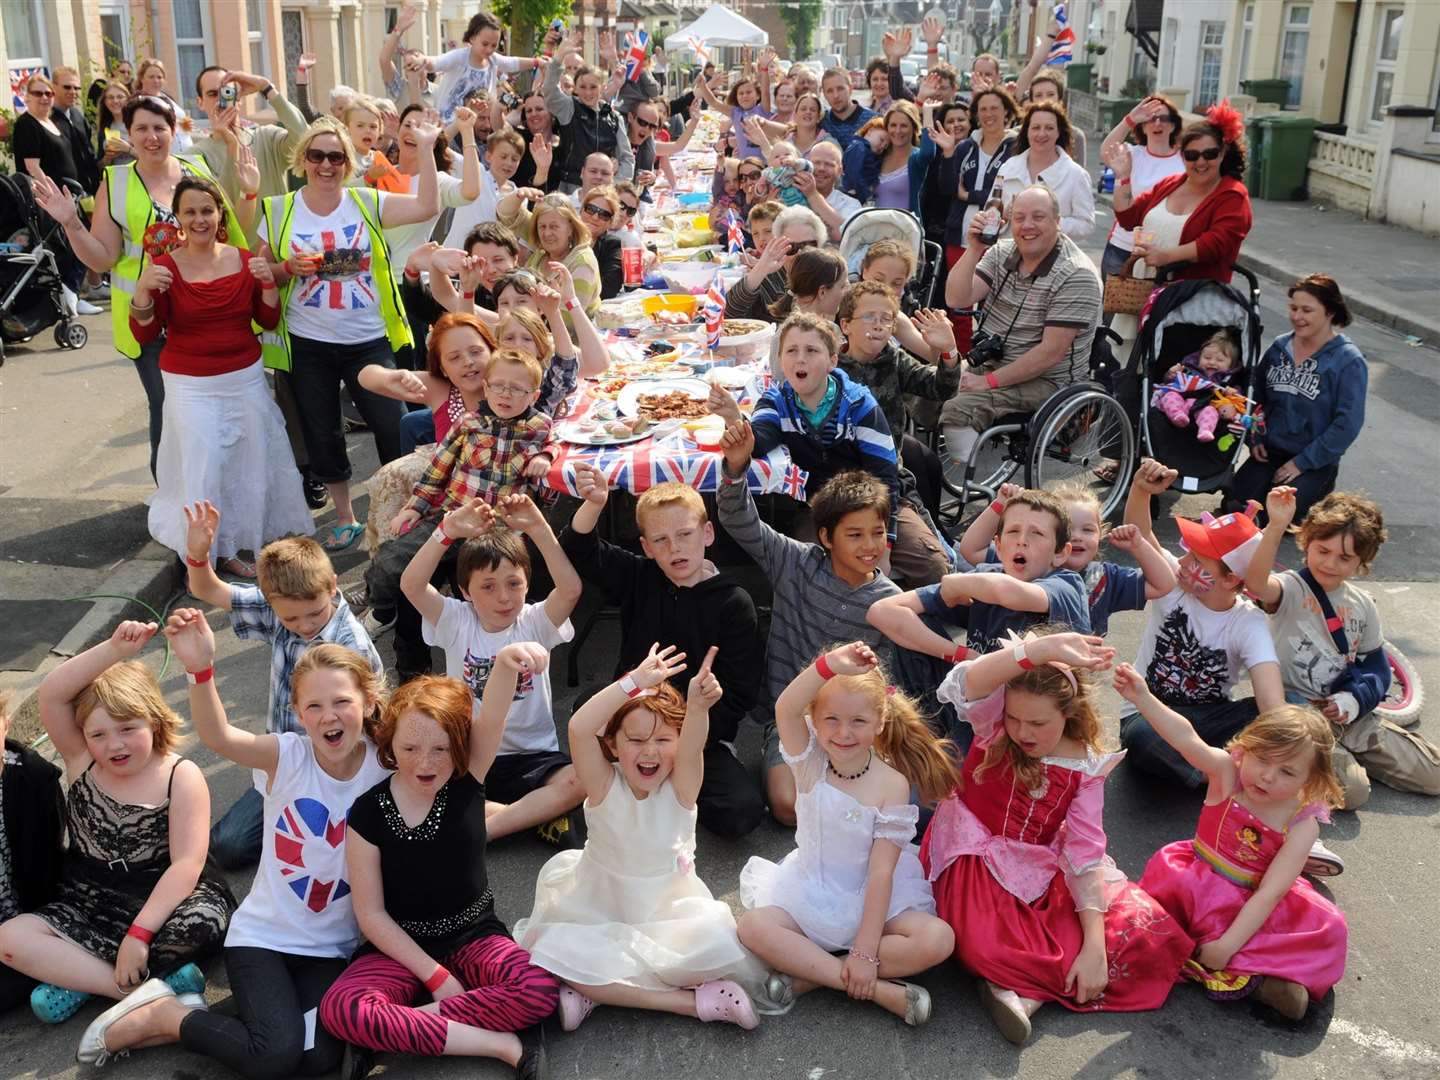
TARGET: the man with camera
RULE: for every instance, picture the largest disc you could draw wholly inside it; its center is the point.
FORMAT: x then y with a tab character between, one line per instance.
219	94
1042	302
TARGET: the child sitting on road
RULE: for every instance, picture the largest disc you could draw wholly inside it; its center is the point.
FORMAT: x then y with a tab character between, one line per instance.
1108	586
497	450
1028	585
1330	642
1218	361
829	424
821	590
530	774
295	604
673	593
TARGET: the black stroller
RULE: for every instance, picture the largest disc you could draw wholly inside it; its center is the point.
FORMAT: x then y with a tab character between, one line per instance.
1183	315
32	295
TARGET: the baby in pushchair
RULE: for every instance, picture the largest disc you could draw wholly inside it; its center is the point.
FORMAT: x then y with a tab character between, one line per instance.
1191	386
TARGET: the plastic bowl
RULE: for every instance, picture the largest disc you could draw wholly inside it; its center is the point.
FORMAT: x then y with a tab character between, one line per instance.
690	277
670	302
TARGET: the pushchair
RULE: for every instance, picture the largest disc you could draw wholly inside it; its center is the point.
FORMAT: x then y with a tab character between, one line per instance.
32	295
1183	314
876	223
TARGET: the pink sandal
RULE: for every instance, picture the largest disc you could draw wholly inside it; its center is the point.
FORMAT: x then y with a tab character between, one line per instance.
721	999
574	1008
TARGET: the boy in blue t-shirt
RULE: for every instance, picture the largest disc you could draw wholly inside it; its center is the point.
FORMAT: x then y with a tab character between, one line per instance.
1029	585
1108	587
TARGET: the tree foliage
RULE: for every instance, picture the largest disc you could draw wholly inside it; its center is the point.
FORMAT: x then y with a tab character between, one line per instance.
528	20
801	20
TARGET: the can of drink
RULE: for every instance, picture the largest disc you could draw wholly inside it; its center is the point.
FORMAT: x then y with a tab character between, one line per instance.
632	265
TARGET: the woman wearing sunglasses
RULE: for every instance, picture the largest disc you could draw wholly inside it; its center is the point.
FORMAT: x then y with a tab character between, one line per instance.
554	232
600	211
1199	218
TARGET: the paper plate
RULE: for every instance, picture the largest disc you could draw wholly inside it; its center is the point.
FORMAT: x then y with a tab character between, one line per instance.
629	399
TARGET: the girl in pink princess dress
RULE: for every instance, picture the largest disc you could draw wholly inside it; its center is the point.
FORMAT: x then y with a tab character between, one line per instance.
1236	888
1017	856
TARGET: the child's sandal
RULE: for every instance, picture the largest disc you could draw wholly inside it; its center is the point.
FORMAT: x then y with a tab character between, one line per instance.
1006	1010
574	1008
722	999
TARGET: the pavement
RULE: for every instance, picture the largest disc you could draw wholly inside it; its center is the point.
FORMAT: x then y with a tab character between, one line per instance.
73	477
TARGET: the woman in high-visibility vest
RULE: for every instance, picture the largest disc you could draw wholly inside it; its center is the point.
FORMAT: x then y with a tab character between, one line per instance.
340	304
133	200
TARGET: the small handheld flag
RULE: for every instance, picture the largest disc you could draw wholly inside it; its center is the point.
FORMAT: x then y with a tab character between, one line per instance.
698	48
714	312
734	233
1062	49
637	44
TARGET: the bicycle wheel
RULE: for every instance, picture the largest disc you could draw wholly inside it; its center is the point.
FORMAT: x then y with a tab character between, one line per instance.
1406	697
1081	433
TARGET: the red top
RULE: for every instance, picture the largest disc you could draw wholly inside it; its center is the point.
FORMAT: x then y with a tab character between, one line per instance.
207	323
1217	226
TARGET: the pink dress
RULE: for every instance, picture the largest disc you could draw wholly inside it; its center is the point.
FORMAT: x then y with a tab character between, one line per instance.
1012	867
1206	881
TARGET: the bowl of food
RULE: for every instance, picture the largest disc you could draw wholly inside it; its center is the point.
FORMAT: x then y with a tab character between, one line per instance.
689	276
669	305
743	341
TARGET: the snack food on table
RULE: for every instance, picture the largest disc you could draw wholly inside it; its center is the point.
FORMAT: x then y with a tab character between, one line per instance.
673	405
741	327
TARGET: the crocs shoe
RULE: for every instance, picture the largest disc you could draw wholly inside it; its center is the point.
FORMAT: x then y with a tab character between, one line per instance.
187	979
574	1008
722	999
54	1004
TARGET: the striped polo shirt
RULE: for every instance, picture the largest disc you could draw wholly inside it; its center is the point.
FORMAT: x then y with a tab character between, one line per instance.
1063	291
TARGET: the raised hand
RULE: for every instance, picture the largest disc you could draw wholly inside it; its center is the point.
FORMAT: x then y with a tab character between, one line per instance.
526	657
1153	476
1009	491
247	169
559	278
202	520
519	512
542	152
704	690
307	61
473	518
191	639
426	135
1074	650
130	637
738	446
406	19
464	118
767	59
1130	684
1125	537
1280	506
854	659
590	484
932	29
942	138
608	55
659	664
722	404
447	261
935	327
774	255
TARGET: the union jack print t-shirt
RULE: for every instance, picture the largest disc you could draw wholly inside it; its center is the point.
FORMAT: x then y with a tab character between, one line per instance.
341	302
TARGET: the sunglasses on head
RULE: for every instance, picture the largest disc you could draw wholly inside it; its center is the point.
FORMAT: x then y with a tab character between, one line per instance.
1195	155
320	157
604	213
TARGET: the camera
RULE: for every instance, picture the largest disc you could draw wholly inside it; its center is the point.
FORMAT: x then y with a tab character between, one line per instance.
509	99
229	94
985	348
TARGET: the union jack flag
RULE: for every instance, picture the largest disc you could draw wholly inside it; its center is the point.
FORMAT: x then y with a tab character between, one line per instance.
714	311
344	281
698	48
792	482
734	232
305	825
637	44
19	76
1062	49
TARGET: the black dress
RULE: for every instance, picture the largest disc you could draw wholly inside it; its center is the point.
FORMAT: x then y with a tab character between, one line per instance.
34	140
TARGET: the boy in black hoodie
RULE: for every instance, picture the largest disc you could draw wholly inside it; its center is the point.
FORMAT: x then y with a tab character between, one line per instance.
675	595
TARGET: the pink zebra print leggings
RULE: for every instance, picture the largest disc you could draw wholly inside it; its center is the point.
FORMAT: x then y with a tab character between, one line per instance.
373	1003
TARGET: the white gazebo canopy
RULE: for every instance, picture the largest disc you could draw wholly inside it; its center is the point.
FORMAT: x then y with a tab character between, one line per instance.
718	26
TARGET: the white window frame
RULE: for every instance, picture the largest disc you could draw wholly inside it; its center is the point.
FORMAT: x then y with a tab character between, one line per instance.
182	90
39	61
119	10
1383	65
1247	35
1170	37
255	35
1290	26
1218	48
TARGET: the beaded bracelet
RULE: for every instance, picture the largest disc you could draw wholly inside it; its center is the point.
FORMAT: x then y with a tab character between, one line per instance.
865	956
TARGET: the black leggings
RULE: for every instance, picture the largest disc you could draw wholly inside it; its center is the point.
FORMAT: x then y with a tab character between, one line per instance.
266	1038
317	369
925	465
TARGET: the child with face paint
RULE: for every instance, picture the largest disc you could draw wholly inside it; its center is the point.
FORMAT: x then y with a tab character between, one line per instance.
1201	636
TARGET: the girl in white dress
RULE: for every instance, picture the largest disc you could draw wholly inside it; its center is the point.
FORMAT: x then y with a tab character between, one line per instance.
627	921
856	746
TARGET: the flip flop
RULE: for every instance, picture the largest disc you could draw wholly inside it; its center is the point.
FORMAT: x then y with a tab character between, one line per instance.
237	567
342	536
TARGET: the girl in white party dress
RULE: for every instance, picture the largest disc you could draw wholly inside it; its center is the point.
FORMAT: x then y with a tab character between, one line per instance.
854	883
627	921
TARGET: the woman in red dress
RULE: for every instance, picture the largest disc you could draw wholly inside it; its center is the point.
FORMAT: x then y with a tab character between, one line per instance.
1017	856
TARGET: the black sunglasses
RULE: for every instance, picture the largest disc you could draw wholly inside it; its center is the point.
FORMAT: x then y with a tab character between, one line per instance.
645	125
1209	155
628	210
604	213
320	157
746	177
797	246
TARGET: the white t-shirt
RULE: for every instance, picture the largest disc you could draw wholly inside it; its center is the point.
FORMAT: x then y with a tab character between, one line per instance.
403	239
847	206
459	81
468	215
470	652
1191	655
342	302
1146	170
1309	661
299	902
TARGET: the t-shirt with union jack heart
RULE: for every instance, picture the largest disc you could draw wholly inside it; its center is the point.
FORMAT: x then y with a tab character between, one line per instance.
340	303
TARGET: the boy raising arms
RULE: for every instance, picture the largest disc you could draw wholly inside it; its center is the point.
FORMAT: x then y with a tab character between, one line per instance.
1342	672
675	594
530	774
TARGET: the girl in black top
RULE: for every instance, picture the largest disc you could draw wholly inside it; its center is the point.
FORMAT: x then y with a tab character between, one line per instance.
416	855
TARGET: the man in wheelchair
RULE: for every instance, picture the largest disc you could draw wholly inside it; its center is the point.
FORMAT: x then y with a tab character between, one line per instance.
1041	299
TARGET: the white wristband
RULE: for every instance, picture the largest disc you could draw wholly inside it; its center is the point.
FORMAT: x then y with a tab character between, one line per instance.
1018	653
628	685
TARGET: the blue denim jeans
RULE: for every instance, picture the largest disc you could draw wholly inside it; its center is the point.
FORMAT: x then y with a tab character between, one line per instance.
416	429
235	839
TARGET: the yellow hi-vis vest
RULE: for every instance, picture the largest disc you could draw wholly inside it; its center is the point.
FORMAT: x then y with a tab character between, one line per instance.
133	211
275	230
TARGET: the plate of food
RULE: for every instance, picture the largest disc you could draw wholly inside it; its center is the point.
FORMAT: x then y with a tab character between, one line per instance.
732	378
596	432
665	399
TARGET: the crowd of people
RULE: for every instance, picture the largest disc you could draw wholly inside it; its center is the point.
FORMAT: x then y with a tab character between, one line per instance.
961	710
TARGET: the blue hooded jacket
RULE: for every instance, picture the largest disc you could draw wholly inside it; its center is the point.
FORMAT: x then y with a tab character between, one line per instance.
1313	411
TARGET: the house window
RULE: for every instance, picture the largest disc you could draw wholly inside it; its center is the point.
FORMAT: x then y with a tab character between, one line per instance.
1294	43
1212	56
1247	31
347	49
1167	56
114	33
24	29
1387	52
255	31
292	40
192	51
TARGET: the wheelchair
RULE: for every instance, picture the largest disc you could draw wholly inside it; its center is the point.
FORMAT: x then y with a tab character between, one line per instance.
1080	434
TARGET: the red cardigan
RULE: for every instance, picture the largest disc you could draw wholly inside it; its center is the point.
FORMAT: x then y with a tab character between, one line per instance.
1217	226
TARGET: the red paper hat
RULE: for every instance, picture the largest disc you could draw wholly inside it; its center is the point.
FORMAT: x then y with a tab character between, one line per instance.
1231	539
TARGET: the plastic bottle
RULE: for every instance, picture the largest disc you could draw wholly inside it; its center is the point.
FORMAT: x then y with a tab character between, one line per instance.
1107	179
632	257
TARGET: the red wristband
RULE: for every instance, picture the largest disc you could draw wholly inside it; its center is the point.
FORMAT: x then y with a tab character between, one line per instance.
139	933
958	655
411	275
440	537
437	978
998	506
250	196
467	295
195	678
1125	182
629	685
822	668
196	562
992	382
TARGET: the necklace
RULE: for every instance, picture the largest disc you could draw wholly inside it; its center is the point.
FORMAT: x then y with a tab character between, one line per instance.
852	776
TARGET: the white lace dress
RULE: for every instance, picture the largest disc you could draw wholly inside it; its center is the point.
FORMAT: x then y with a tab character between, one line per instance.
821	884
